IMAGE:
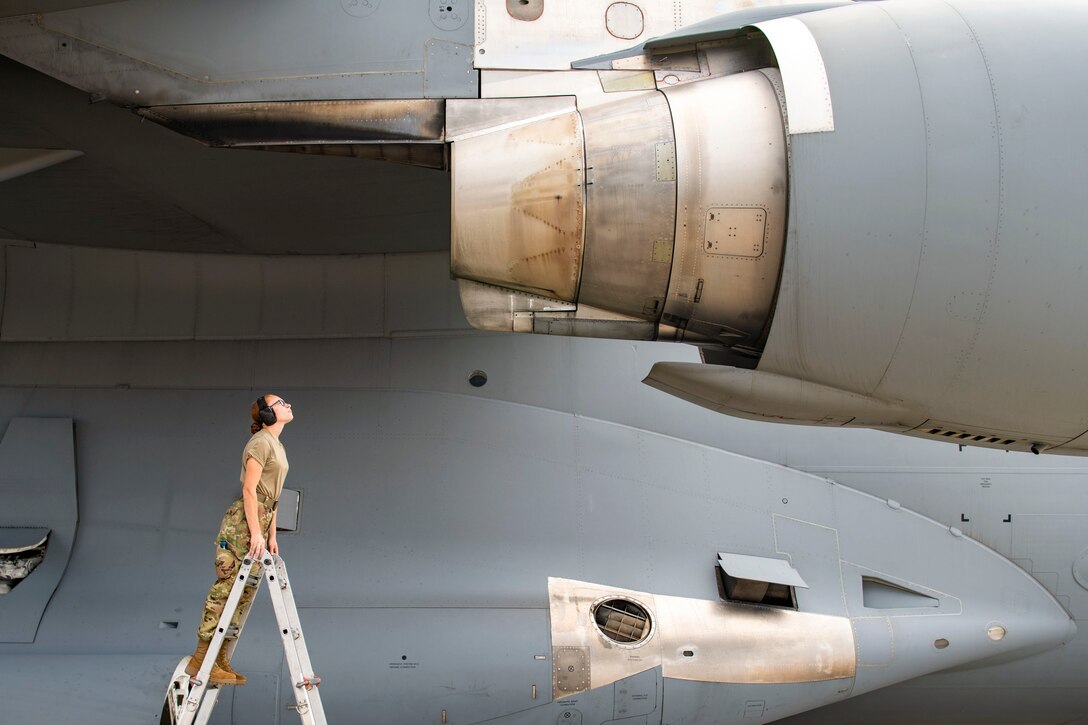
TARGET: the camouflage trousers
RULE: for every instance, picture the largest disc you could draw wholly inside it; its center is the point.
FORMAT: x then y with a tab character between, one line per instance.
231	546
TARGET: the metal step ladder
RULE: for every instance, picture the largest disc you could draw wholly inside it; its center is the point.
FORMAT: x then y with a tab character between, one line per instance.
190	700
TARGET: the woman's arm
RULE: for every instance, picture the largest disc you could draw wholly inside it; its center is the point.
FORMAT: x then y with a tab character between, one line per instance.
249	503
273	547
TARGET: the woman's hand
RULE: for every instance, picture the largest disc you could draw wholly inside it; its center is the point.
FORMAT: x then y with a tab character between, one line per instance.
256	545
273	547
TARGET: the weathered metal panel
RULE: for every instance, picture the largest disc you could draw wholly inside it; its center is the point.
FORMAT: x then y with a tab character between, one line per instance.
701	640
160	53
521	225
418	120
37	490
737	161
630	206
570	30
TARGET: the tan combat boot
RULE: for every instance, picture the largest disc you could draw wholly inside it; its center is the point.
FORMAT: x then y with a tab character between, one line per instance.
223	663
217	676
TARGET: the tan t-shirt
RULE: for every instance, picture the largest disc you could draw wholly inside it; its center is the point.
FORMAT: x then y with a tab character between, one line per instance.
267	450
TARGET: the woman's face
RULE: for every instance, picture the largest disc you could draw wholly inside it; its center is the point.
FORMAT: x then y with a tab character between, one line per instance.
281	407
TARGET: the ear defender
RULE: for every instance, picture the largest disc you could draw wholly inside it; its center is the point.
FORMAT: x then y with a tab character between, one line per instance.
266	414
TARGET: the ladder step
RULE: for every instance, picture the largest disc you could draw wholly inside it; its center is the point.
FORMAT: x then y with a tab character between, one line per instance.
308	683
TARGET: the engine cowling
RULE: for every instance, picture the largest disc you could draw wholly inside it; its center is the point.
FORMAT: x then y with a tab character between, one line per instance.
660	215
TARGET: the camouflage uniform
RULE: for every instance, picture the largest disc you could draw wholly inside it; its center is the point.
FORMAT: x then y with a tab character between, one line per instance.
232	545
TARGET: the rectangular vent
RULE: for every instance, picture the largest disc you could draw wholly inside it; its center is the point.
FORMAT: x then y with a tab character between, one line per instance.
757	580
880	594
959	435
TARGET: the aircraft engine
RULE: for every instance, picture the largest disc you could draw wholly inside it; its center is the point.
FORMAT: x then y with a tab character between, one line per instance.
660	215
865	215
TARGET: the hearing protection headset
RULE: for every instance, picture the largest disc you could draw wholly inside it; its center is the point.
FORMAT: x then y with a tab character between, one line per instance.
266	414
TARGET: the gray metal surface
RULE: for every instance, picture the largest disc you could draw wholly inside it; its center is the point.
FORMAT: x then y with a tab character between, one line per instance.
685	229
140	186
630	206
774	571
16	162
738	163
469	449
933	271
22	7
521	225
449	449
302	122
65	293
761	395
587	492
161	53
15	539
569	30
728	24
547	215
985	209
404	130
38	491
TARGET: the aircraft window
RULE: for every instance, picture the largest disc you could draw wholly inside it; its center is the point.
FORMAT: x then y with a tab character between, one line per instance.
622	621
17	562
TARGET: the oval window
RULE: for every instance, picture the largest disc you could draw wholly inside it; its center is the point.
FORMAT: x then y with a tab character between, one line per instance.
622	621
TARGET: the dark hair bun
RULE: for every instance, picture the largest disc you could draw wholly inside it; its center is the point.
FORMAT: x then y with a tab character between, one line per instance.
254	413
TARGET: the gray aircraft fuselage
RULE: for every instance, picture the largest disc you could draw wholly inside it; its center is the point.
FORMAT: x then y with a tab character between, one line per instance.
440	523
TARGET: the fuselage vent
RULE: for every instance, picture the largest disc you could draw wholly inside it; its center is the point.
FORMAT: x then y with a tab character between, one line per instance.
622	621
880	594
957	436
18	559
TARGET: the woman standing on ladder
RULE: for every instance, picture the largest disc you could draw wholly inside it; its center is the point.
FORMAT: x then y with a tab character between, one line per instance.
248	528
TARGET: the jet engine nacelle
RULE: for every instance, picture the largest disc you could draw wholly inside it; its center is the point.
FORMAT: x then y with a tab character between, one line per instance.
660	215
868	215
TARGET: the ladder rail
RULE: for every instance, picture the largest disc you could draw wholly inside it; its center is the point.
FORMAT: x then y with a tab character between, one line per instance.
307	700
204	714
293	619
300	640
231	638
